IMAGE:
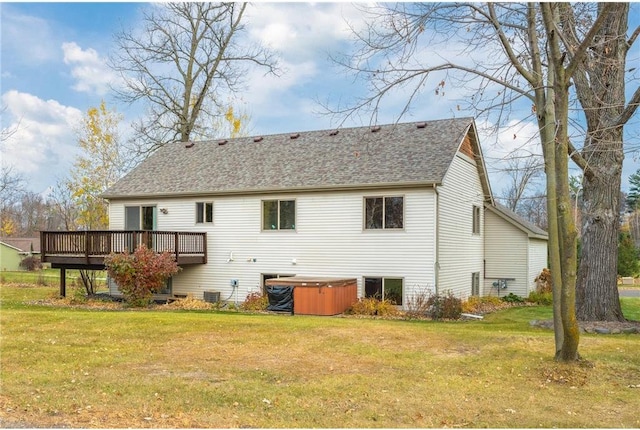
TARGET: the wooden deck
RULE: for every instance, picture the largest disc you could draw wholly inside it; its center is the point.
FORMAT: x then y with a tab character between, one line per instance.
87	249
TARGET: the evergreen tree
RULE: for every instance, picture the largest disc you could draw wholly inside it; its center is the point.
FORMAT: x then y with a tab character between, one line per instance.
628	264
633	198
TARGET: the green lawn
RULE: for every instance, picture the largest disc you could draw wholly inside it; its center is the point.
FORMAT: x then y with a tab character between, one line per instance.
45	277
65	367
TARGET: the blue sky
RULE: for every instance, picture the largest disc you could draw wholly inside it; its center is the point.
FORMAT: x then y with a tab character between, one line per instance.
53	62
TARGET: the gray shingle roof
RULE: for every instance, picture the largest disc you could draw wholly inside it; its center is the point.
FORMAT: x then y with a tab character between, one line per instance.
528	227
23	244
395	155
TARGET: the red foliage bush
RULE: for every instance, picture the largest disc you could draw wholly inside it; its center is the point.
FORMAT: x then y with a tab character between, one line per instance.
141	274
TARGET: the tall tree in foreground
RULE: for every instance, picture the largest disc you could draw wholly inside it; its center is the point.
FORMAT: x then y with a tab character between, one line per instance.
184	59
599	80
508	53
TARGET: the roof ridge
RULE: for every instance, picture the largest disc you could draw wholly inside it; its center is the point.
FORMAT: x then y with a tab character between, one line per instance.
301	133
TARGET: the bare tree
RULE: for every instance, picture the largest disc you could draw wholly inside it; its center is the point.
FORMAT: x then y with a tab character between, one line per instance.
523	56
522	173
599	81
185	58
12	186
64	207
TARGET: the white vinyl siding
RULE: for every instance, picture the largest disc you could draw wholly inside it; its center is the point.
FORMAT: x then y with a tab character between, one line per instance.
506	256
537	261
461	252
511	254
329	240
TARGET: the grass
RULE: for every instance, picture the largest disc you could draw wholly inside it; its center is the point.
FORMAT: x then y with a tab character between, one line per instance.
45	277
64	367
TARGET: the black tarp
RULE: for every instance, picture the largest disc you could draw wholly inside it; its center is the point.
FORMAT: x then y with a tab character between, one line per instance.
280	298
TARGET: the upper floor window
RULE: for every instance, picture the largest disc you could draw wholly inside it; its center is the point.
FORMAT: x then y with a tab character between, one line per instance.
278	214
383	213
204	212
476	220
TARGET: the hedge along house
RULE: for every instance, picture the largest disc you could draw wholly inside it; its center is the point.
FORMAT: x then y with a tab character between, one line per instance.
402	208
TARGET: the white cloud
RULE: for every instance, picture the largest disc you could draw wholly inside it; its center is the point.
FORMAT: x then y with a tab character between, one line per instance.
43	146
301	31
25	39
88	68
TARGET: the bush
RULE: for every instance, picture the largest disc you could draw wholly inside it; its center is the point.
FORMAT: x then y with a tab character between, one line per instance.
417	304
190	303
544	283
373	307
480	305
444	307
141	274
31	263
544	298
255	301
512	298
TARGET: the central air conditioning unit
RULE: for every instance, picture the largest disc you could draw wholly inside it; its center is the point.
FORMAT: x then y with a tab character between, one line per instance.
212	296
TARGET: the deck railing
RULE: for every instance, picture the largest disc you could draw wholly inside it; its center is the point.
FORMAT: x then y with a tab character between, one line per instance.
92	244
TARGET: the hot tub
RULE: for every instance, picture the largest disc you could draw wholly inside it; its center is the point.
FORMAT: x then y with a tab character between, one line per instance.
314	295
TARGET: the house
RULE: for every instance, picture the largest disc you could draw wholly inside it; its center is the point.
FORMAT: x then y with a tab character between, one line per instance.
14	249
406	209
515	251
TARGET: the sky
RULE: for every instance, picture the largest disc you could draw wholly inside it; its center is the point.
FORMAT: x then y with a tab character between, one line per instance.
54	68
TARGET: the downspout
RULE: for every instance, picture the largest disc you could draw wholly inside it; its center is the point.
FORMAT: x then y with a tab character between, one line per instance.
436	267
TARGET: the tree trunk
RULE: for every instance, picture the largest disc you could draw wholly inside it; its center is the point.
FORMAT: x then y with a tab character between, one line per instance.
597	290
602	96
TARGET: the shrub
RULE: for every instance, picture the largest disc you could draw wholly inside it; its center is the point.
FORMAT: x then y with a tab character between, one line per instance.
541	298
628	264
31	263
417	304
444	307
480	305
190	303
141	274
544	282
512	298
255	301
373	307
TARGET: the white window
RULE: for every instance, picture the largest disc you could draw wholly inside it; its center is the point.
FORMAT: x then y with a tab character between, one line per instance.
382	288
383	213
278	215
476	220
475	284
204	212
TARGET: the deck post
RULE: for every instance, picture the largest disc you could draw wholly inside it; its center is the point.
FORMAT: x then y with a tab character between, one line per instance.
63	282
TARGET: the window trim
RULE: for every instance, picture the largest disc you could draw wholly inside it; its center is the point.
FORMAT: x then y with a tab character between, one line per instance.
384	217
476	220
383	278
295	215
141	208
204	212
475	284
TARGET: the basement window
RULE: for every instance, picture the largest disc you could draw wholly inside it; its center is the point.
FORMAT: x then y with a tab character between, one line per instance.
390	289
475	284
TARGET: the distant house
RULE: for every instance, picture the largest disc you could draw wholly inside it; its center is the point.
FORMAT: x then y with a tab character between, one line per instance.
14	249
403	208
